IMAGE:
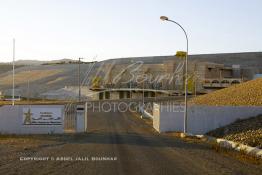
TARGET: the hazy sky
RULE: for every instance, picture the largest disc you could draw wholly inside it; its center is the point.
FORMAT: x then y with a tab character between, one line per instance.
55	29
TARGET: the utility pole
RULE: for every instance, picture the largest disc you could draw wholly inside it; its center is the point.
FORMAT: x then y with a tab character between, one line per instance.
155	84
13	93
143	94
79	80
28	86
130	87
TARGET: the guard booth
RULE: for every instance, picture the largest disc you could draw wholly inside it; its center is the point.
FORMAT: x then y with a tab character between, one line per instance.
81	118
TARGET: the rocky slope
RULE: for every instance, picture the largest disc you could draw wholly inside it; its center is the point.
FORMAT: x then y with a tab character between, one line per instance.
248	93
248	131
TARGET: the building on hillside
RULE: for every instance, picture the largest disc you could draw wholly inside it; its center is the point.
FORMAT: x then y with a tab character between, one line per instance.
126	93
169	75
216	76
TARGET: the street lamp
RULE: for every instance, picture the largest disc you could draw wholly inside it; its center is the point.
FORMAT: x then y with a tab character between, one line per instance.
164	18
13	90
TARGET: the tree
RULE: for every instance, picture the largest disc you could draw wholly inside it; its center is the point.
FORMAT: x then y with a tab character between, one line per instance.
96	82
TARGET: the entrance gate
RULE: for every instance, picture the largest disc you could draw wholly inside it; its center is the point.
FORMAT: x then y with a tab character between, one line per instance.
70	117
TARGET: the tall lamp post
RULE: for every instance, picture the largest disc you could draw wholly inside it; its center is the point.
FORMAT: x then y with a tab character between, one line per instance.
13	90
164	18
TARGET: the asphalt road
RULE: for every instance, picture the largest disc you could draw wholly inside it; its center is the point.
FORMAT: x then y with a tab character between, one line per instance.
136	148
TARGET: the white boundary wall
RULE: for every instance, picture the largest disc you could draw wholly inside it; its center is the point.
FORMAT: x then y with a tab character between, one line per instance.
201	119
11	120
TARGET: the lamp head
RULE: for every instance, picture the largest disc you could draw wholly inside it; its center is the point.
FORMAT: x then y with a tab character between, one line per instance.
164	18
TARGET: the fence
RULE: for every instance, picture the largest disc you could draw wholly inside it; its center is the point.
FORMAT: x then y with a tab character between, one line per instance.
70	118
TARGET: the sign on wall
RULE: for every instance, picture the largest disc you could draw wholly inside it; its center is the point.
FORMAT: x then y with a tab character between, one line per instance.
42	116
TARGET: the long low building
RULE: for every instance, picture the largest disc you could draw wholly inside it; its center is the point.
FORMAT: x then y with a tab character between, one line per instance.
72	93
125	93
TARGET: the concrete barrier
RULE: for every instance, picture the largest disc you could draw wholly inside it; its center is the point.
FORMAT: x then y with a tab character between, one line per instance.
253	151
201	119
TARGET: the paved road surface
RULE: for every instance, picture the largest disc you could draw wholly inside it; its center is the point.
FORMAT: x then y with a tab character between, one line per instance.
138	149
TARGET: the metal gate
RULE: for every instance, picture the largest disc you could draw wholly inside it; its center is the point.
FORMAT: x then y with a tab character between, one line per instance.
70	117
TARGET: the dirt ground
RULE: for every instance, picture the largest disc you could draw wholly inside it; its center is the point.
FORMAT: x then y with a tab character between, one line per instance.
116	143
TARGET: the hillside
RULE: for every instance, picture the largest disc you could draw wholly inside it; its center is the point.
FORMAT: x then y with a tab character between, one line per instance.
46	76
7	67
245	59
24	76
248	93
42	78
39	62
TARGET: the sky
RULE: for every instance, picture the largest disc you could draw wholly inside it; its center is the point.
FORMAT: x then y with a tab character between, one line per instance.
57	29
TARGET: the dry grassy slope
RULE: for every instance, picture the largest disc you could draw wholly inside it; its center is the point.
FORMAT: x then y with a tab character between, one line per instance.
248	93
42	78
24	76
7	67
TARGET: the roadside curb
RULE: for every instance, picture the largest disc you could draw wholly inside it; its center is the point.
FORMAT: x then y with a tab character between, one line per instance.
227	144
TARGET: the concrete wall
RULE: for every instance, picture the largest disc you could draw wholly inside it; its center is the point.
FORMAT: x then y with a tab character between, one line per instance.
11	121
167	118
201	119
